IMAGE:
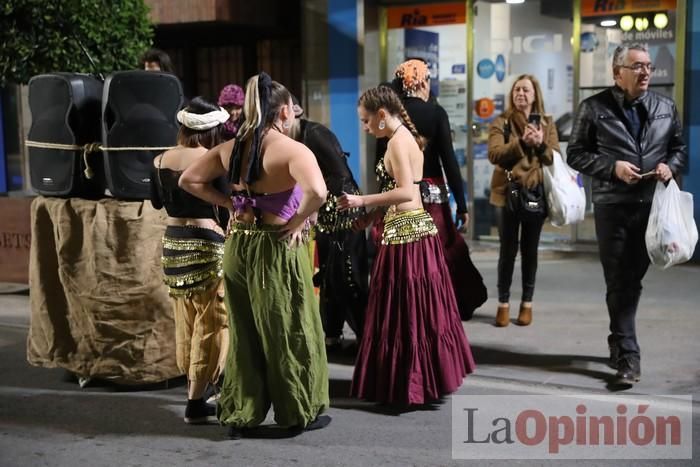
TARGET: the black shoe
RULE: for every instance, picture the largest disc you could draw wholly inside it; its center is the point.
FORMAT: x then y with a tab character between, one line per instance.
334	345
628	370
235	432
614	355
199	412
319	422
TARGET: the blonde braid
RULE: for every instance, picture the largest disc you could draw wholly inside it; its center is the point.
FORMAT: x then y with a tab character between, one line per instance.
403	115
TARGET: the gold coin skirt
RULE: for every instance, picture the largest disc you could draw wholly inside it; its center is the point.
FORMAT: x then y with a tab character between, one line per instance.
192	259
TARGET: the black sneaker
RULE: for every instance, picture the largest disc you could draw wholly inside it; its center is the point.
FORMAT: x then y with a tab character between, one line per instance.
319	422
199	412
334	345
628	370
235	432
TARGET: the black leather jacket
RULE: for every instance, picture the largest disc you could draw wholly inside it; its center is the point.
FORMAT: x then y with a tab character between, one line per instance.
600	137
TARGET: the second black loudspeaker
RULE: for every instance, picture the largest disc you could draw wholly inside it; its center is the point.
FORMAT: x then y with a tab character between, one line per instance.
139	110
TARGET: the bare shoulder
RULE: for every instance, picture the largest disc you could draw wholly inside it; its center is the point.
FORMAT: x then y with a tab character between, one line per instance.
288	148
402	143
169	159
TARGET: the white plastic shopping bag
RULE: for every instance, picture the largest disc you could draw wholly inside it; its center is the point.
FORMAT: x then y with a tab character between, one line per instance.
671	232
566	198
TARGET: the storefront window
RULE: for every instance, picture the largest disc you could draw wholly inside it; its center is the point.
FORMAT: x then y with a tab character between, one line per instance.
509	40
606	26
437	34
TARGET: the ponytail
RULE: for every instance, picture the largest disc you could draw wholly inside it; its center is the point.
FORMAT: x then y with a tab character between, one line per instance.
263	100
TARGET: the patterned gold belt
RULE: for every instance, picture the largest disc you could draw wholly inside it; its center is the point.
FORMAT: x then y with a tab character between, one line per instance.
192	259
246	228
407	226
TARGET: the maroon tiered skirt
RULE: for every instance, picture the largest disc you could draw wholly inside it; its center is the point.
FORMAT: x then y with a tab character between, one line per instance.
414	349
467	282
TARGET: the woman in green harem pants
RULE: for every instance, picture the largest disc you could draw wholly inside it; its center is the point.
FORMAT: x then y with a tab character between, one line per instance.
277	354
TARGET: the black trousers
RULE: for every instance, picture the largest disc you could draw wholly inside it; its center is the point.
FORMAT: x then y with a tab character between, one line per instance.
342	277
513	231
620	229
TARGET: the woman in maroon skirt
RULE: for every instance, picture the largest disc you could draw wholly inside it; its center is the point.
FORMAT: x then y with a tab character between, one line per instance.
413	349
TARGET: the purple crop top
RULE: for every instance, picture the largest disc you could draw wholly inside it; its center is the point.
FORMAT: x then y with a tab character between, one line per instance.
283	204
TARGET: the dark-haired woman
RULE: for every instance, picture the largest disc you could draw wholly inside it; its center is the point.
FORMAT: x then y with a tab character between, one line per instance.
413	349
342	252
277	355
193	247
412	78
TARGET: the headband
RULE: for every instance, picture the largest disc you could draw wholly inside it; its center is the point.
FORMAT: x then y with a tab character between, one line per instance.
205	121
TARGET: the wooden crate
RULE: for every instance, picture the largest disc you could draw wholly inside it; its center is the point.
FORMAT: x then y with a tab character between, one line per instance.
15	239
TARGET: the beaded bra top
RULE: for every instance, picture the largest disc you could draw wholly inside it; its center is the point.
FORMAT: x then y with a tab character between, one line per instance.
403	226
386	181
283	204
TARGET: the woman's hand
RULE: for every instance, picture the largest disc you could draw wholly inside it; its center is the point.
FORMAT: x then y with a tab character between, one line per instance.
295	231
346	201
462	222
533	135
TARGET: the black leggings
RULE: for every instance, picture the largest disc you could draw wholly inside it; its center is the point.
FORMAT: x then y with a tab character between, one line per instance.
509	231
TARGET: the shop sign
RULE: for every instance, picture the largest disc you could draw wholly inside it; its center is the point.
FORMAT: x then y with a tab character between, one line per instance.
438	14
619	7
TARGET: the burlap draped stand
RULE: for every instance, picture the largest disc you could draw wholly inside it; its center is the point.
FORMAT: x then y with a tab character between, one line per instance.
99	307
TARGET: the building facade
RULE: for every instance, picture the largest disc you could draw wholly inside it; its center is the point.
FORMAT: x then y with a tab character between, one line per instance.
328	51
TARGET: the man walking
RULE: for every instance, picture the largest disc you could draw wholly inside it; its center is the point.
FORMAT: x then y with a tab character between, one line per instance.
626	138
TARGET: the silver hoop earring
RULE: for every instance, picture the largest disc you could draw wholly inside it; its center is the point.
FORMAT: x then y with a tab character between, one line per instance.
382	124
286	125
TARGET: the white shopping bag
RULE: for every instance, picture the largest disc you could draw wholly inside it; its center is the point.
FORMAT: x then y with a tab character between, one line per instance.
566	198
671	232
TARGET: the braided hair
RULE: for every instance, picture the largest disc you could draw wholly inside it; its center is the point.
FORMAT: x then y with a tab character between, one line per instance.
264	98
383	97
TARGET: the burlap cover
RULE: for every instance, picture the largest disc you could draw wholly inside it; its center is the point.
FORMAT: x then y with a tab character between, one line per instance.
99	307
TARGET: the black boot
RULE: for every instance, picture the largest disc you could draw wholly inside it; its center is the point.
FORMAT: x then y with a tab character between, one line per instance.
628	370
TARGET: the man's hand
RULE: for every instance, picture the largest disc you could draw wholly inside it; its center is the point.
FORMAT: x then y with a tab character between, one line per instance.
627	172
663	172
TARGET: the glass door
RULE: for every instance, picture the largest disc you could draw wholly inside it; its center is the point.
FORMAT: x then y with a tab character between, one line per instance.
532	37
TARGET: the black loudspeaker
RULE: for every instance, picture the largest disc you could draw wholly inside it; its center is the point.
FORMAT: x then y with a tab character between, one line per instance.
139	109
65	109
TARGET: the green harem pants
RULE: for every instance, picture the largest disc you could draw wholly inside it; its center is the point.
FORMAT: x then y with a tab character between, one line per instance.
277	352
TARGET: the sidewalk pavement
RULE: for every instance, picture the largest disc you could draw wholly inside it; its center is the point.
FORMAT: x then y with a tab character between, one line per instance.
44	419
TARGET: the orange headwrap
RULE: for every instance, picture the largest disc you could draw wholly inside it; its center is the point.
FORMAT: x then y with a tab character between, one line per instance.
412	73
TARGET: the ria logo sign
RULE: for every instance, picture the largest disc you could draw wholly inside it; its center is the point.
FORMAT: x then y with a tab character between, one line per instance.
414	19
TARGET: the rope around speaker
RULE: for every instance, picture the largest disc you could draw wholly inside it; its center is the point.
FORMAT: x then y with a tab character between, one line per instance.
91	147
